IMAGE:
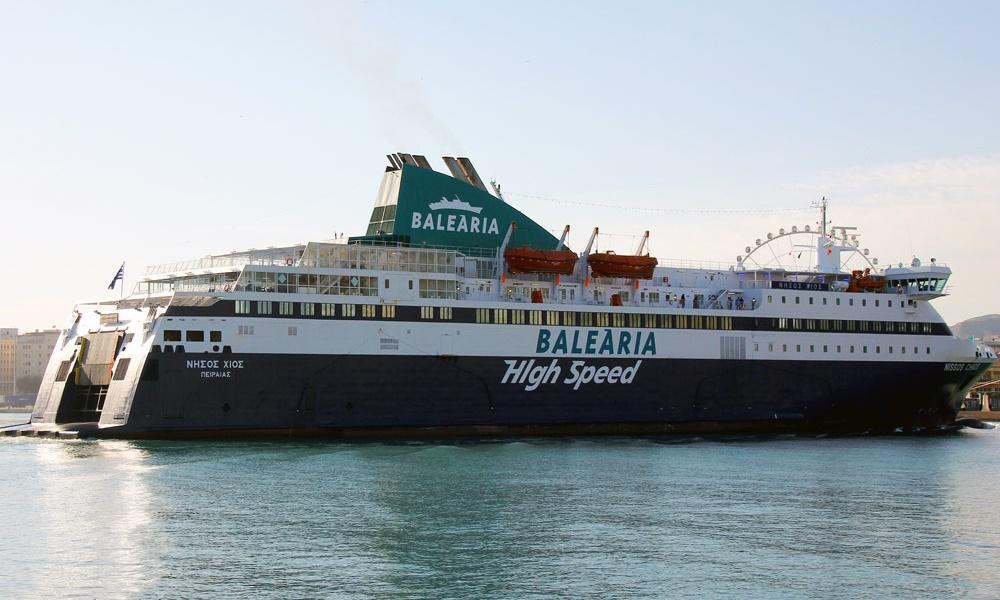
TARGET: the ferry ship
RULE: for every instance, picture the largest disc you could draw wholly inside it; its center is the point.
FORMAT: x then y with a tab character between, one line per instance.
455	314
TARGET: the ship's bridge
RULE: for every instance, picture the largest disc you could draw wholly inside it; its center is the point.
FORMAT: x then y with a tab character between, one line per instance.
919	280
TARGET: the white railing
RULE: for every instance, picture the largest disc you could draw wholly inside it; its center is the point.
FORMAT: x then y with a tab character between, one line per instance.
233	261
680	263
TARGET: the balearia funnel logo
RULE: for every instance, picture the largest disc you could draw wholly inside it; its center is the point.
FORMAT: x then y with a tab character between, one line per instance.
456	204
459	223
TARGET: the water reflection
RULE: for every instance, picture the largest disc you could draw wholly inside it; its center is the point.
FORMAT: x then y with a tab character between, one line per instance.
83	509
860	517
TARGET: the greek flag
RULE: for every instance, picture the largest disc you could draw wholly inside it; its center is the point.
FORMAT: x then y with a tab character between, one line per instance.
119	276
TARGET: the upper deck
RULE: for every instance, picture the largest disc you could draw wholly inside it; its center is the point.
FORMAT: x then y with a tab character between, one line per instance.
435	237
393	273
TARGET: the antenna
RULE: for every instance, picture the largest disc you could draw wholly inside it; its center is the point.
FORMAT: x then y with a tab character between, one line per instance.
822	205
496	188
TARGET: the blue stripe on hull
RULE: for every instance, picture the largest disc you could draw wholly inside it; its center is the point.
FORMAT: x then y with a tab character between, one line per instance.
415	396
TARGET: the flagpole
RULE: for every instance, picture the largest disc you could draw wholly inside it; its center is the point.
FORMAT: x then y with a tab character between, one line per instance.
121	293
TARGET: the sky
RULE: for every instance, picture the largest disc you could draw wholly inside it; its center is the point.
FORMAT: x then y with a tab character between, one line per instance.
151	132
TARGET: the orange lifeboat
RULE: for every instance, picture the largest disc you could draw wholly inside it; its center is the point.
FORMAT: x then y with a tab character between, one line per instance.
531	260
864	281
609	264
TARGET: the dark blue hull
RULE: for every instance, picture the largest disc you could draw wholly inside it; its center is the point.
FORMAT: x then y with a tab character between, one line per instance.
381	396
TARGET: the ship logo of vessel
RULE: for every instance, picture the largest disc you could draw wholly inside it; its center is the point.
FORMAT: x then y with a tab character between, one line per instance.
456	204
457	223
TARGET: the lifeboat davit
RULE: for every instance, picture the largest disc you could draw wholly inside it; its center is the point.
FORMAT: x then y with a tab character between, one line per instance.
531	260
609	264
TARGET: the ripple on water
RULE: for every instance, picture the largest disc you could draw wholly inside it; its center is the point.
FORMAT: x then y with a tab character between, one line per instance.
751	516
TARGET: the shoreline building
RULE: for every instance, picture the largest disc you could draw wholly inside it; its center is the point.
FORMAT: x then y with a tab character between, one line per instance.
31	355
8	345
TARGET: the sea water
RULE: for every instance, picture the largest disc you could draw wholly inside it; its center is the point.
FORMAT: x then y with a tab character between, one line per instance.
769	517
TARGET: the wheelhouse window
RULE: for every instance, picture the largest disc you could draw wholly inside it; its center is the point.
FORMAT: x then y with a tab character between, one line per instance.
171	335
194	336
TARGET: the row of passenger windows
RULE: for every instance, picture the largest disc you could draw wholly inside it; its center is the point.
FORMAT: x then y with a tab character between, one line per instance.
191	335
156	349
516	316
850	301
519	316
839	348
784	324
308	309
443	312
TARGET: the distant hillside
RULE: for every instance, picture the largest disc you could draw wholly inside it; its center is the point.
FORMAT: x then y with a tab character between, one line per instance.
984	326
